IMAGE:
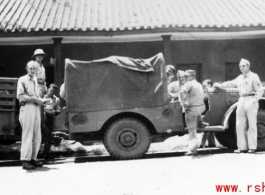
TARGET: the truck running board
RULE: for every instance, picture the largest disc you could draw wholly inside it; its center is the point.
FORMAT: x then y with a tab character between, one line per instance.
217	128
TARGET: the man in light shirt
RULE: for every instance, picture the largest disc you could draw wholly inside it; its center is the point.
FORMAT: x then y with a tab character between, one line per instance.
51	108
29	117
250	91
191	96
38	56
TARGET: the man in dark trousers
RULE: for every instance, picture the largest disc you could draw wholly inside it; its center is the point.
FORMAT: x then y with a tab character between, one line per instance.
51	109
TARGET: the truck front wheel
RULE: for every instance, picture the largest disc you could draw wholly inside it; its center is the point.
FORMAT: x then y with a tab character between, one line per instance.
229	140
127	138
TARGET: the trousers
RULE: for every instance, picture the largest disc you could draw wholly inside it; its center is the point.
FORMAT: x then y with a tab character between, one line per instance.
193	114
246	123
210	137
47	137
30	119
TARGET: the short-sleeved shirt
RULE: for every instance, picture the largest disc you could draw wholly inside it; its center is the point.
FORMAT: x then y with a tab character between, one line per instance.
40	74
52	104
194	93
249	84
27	87
174	88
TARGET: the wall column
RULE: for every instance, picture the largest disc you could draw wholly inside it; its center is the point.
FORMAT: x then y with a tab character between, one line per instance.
58	68
167	48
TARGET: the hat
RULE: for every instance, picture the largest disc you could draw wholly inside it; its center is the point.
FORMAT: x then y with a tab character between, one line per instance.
32	63
244	62
190	72
38	52
170	67
53	86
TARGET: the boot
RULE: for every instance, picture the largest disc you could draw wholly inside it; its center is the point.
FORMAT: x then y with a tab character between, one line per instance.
36	163
27	165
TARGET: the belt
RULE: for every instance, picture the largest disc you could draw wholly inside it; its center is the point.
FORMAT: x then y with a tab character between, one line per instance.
247	95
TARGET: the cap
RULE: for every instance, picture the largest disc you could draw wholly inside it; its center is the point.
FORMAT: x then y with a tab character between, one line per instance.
244	62
38	52
53	86
32	63
190	72
170	67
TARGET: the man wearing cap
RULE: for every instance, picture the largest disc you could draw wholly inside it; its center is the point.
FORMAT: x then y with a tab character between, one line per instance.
170	71
52	109
191	96
29	117
40	73
250	91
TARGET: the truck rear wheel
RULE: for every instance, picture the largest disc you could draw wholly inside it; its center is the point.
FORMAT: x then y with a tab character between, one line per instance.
127	138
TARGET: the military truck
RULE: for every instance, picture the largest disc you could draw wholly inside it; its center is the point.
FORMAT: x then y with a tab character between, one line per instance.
124	102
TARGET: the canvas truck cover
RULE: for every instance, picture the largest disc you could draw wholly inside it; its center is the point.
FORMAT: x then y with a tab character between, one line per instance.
115	83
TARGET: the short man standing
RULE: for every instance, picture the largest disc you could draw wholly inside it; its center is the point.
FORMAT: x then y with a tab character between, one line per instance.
250	91
170	71
191	96
52	109
175	87
29	117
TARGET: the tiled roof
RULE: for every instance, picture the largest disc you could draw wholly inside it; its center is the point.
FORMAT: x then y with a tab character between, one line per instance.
126	15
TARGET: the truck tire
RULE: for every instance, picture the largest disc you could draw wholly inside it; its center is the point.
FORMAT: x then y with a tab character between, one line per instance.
127	138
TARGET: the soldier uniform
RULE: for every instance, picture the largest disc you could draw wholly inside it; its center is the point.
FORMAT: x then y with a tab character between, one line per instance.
250	91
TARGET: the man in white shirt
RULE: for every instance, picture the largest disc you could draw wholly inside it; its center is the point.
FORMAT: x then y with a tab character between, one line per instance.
29	117
52	109
250	91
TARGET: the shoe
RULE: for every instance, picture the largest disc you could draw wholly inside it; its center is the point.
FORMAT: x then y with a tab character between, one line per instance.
211	146
240	151
251	151
200	146
36	163
27	165
48	157
191	153
203	124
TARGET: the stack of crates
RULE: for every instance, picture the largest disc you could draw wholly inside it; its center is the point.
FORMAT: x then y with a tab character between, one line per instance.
8	106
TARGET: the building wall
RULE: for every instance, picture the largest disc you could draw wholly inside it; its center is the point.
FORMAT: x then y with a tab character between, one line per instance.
15	58
212	55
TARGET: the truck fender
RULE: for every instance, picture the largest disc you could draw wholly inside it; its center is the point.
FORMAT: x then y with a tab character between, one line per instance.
228	114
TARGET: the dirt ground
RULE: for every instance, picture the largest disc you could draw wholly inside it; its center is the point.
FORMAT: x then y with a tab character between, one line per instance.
69	148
